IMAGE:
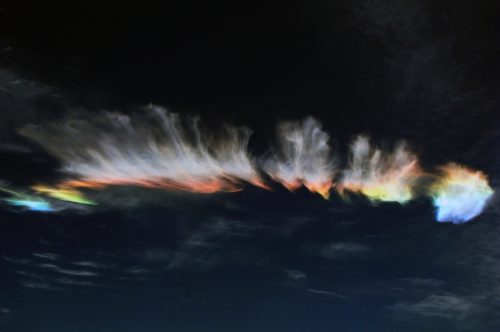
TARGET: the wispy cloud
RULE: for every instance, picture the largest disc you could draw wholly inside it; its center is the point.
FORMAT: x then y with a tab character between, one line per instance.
66	281
41	285
205	246
56	268
423	282
5	311
52	257
139	270
445	305
342	250
13	84
18	261
91	264
320	292
295	275
50	281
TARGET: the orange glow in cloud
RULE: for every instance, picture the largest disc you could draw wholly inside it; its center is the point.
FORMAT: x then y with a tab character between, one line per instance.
205	186
381	176
304	157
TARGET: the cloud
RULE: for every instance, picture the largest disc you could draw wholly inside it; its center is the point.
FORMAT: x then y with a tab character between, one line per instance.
157	255
18	261
206	246
159	152
67	281
14	85
64	194
35	202
337	295
304	157
26	201
460	194
90	264
295	275
342	250
445	305
56	268
18	97
381	176
139	270
41	285
12	147
52	257
423	282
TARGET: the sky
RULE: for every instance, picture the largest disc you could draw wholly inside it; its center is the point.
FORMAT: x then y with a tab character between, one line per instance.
254	166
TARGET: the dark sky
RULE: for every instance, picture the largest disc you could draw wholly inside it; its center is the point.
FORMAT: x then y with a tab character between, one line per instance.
150	259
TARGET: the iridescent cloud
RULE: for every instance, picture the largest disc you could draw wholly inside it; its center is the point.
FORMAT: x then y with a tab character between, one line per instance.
460	194
304	157
27	201
381	176
64	194
158	152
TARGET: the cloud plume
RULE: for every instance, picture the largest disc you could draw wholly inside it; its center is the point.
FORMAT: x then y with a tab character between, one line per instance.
304	157
381	176
116	150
